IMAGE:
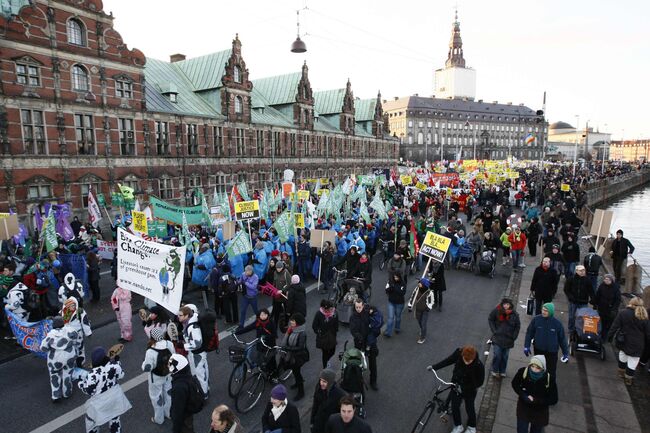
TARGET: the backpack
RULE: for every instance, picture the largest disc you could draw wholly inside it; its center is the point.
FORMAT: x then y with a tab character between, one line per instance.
207	322
196	400
162	363
376	322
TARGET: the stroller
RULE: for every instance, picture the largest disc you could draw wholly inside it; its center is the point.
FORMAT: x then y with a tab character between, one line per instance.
586	337
465	257
487	263
353	364
355	290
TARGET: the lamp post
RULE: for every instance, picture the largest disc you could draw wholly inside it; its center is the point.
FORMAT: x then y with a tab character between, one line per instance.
575	151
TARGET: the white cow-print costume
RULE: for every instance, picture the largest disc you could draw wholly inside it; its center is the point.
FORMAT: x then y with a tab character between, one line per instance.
80	323
70	287
15	301
159	386
193	340
60	344
98	381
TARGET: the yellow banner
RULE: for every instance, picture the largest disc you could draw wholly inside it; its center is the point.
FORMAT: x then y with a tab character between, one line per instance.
406	180
139	220
420	186
323	191
245	210
303	194
299	220
565	187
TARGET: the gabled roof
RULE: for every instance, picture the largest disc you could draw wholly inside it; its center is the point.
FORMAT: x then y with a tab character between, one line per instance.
329	101
428	103
205	72
263	113
160	77
364	109
280	89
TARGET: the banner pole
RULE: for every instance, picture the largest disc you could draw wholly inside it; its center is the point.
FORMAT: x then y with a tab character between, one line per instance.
250	234
424	273
320	260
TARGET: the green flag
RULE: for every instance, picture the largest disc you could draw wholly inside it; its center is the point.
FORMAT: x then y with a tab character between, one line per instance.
205	209
185	233
284	226
363	213
379	207
241	244
49	233
243	191
101	200
117	200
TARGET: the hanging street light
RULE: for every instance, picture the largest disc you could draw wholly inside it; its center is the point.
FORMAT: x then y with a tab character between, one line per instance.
298	46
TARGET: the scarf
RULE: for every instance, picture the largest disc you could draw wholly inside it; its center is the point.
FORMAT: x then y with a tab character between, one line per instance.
277	411
262	324
327	313
292	335
535	375
503	315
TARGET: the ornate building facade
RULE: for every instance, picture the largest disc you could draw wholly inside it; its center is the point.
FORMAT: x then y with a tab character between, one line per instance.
80	110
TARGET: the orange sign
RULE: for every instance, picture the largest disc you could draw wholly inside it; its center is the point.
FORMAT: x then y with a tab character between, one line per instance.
590	325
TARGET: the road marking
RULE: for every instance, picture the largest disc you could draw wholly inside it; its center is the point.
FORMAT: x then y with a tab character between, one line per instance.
79	411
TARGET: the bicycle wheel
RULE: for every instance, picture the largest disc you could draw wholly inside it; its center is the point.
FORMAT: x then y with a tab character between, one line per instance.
237	379
334	294
423	420
250	393
284	374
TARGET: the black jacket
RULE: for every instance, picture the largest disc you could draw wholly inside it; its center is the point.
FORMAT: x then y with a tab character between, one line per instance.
544	283
505	332
396	290
180	393
592	263
325	330
359	328
621	248
438	282
326	403
607	299
297	302
469	377
288	421
637	332
571	252
264	331
543	391
578	289
357	425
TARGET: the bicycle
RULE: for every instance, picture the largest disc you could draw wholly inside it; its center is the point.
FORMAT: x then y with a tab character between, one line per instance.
337	290
385	247
239	355
443	406
251	391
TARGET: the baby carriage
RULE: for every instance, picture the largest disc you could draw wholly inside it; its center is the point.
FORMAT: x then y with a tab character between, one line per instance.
353	364
346	304
487	263
465	257
586	337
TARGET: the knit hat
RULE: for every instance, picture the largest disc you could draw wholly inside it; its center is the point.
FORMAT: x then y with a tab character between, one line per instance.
550	308
328	376
295	279
279	265
425	282
98	356
610	276
157	334
538	360
298	318
177	362
279	392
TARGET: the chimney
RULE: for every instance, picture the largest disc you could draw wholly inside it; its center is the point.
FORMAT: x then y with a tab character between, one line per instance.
176	58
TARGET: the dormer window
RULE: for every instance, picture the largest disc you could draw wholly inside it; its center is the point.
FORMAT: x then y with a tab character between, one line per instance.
236	74
173	97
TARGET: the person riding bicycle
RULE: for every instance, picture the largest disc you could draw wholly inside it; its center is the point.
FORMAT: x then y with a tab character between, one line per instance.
469	375
265	331
397	265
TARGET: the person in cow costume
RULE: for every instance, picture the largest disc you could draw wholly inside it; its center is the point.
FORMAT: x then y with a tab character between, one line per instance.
75	317
60	345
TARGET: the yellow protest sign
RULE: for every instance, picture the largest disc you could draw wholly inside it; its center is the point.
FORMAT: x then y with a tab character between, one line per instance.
492	179
449	192
323	191
513	175
303	194
565	187
299	220
324	181
247	210
529	171
420	186
406	180
139	222
435	246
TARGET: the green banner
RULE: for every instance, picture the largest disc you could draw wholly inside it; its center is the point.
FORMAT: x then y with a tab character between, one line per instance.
117	200
129	205
49	233
101	200
157	229
169	212
241	244
284	226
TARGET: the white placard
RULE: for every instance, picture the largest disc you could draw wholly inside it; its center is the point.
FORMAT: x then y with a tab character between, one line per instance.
150	269
106	249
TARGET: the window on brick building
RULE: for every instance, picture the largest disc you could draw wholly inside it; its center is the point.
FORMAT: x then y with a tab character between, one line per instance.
162	138
218	140
85	187
259	142
240	145
241	177
292	144
33	124
123	89
195	188
166	188
127	136
76	32
39	191
132	182
236	74
27	74
222	182
192	139
85	134
277	143
239	105
80	79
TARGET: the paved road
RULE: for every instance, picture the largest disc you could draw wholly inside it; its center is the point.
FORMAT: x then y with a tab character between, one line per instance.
403	381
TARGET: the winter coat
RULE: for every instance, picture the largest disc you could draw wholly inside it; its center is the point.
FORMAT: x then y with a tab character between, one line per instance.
592	263
469	377
637	332
543	391
544	283
287	422
375	322
548	333
359	328
260	262
421	299
517	242
325	330
250	284
335	424
396	267
264	331
437	278
297	300
621	248
504	332
180	394
294	342
557	262
578	290
571	252
326	403
203	264
282	280
607	299
396	290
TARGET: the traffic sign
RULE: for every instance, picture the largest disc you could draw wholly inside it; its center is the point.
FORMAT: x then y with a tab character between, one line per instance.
435	246
247	210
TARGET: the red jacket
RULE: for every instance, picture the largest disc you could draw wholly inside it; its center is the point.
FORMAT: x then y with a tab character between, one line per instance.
517	242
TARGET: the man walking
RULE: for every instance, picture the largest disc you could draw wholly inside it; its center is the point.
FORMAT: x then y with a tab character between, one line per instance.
592	263
621	247
346	420
504	324
578	291
544	284
549	337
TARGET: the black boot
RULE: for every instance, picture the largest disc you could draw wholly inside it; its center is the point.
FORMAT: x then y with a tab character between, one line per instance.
301	392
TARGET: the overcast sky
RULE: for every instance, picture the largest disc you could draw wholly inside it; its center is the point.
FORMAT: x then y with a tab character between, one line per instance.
592	57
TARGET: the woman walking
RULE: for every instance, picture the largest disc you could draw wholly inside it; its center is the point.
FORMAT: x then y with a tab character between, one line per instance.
326	326
280	416
294	342
396	290
632	322
537	391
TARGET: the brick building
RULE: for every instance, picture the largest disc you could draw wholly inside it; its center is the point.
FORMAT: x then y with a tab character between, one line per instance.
78	109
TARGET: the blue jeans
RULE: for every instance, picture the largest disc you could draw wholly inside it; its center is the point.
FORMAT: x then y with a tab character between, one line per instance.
594	282
394	317
570	269
516	256
500	361
526	427
245	302
422	317
573	308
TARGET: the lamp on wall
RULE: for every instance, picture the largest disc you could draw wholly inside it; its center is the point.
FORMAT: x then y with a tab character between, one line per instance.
298	46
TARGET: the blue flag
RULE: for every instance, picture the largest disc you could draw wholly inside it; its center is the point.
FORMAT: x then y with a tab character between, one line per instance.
29	334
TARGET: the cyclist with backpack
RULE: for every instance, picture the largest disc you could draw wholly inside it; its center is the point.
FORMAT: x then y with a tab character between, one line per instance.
156	360
186	395
198	360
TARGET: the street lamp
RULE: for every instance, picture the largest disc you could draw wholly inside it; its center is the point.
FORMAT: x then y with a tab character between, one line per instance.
575	152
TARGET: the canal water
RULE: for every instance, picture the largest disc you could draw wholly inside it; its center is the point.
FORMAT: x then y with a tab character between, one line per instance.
632	214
